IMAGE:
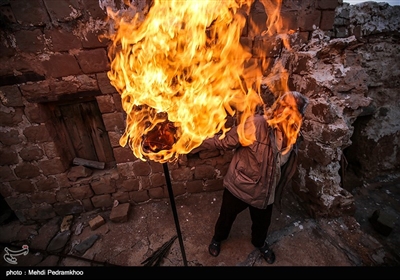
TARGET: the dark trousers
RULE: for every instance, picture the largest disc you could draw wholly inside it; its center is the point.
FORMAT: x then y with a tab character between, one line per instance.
231	206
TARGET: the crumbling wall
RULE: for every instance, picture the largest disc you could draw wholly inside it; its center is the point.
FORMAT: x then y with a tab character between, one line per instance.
374	153
352	128
50	51
328	71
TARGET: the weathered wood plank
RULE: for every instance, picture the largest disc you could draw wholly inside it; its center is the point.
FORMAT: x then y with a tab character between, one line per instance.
89	163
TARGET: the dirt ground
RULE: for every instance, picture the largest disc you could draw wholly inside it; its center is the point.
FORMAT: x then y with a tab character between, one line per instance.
298	241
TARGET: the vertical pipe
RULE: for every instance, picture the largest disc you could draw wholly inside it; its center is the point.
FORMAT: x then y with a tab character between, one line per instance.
172	199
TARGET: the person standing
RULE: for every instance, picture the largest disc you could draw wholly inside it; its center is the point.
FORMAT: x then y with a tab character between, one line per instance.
258	172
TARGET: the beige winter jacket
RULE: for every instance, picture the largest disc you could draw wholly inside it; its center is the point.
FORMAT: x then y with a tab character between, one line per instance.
255	170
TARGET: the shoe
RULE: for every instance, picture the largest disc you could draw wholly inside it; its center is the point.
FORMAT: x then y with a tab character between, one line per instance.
267	253
214	248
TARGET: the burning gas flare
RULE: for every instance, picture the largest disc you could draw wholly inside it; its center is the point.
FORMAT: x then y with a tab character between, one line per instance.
180	71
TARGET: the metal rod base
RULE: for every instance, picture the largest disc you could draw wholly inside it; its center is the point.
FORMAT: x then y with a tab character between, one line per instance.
172	199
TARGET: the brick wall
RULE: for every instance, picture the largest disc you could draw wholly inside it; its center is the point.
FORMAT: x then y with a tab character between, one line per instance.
50	52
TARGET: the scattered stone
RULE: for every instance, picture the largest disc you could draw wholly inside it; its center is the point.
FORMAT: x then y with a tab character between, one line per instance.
382	222
120	213
78	229
82	247
66	223
73	244
96	222
58	242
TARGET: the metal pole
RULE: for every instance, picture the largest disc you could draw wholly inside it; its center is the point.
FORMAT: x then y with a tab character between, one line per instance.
172	199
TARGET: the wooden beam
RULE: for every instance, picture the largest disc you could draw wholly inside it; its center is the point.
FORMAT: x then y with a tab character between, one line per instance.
88	163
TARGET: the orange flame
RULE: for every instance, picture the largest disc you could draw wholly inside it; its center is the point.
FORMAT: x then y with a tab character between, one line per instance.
182	66
285	114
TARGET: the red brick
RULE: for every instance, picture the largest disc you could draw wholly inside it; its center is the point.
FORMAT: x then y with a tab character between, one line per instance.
10	137
69	66
81	192
157	180
309	19
120	213
53	166
121	197
30	41
26	170
11	96
36	91
114	138
23	186
130	185
35	113
62	40
30	12
141	168
63	11
45	184
19	202
104	84
195	186
182	174
8	157
213	185
105	103
157	193
103	186
327	20
93	8
40	197
37	134
31	153
95	39
327	4
114	122
93	61
139	196
96	222
204	172
103	200
12	118
123	155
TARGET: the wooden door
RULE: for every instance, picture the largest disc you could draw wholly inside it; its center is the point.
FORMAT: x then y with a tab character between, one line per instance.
83	126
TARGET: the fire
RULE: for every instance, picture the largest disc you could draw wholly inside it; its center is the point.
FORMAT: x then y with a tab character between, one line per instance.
180	71
285	114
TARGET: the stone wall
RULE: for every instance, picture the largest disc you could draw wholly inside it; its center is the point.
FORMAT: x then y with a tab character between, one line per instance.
352	127
374	153
50	53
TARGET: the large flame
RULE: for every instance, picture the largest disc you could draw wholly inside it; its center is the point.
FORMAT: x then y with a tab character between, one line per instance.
180	72
285	114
